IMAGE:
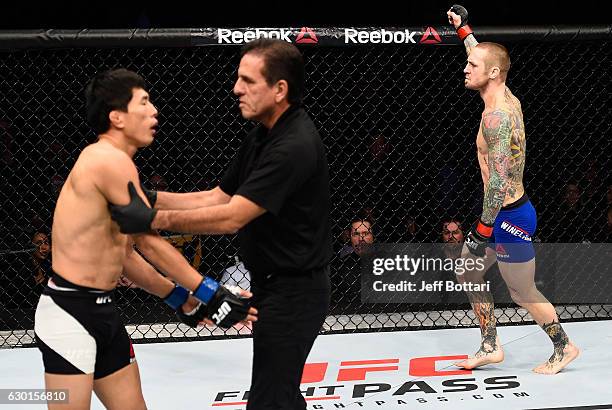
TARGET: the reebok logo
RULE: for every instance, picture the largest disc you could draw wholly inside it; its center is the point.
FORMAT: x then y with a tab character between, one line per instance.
501	252
227	36
222	313
306	36
430	36
103	299
378	36
515	231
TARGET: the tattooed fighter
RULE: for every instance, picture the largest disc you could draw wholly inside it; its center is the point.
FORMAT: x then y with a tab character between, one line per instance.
508	219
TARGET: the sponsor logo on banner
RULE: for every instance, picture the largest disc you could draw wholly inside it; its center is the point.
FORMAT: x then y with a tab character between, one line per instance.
383	36
306	36
346	382
430	36
228	36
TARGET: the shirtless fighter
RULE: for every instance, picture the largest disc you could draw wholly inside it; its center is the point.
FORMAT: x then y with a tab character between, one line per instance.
508	220
84	345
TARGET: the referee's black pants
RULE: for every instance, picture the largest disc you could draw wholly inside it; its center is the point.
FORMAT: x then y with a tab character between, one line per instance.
292	309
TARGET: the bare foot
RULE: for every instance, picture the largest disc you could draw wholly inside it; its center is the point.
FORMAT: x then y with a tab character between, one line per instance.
558	362
486	355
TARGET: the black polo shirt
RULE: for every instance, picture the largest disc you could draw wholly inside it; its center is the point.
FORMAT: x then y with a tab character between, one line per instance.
284	170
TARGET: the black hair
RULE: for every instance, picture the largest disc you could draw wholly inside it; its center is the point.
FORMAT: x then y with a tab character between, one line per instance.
108	91
282	61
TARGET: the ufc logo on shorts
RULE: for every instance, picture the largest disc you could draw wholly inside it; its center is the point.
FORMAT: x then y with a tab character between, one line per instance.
103	299
223	311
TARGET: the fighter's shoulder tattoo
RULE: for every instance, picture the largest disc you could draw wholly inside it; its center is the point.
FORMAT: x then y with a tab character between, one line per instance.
496	127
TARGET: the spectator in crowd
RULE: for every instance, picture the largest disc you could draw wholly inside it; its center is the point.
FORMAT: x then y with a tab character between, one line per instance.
361	235
41	258
346	279
452	231
357	234
452	237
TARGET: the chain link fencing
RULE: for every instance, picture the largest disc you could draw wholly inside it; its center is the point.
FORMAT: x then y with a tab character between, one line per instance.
400	130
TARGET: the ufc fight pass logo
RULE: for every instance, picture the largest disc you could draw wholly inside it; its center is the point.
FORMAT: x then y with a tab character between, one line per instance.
360	379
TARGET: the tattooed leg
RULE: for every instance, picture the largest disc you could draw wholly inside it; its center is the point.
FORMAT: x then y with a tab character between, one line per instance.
490	350
564	351
484	309
520	280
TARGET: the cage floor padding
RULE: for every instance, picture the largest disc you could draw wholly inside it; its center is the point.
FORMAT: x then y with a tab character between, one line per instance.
388	370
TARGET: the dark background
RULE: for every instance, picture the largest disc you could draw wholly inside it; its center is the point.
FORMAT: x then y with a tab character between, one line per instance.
115	14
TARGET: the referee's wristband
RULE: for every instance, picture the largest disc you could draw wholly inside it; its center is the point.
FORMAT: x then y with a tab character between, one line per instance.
464	31
177	297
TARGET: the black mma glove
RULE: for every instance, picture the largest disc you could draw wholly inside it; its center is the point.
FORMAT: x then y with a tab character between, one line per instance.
135	217
478	238
177	298
224	307
463	30
151	195
194	317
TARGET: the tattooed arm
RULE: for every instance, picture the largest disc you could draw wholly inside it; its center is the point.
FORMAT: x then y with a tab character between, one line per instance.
470	42
496	130
483	161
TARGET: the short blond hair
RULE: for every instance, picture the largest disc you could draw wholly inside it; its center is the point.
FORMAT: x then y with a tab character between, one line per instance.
496	56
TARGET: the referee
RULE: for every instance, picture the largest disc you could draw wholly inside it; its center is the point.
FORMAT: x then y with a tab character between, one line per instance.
275	194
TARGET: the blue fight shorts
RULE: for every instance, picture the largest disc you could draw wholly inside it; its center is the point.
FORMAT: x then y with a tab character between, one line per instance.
512	231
